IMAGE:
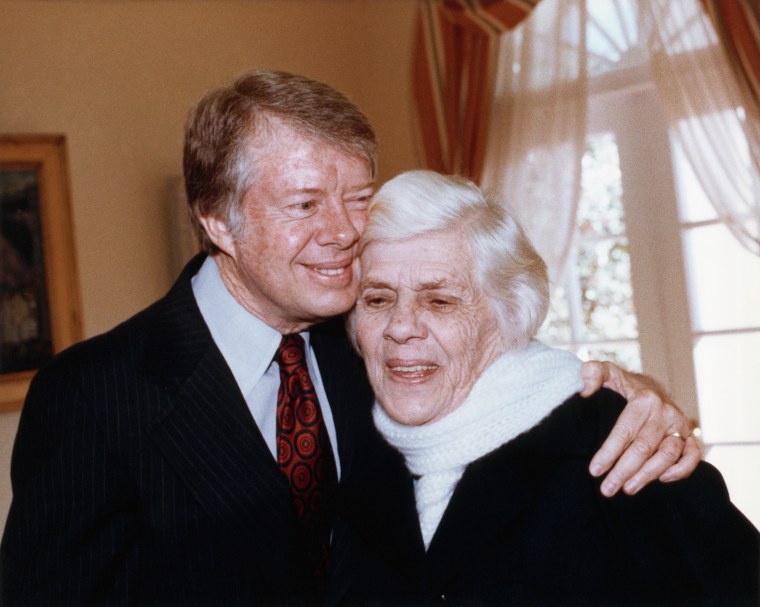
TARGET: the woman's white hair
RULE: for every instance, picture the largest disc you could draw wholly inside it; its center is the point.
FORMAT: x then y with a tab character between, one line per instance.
509	269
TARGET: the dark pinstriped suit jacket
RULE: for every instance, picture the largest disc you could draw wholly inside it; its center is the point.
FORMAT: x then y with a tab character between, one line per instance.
139	475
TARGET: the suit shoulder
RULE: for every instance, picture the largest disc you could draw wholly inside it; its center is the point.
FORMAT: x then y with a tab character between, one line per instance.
175	315
101	349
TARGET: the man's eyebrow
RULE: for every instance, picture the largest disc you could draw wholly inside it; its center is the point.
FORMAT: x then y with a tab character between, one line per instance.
308	190
366	186
294	191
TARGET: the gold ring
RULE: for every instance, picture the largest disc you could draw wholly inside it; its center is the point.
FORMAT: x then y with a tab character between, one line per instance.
678	435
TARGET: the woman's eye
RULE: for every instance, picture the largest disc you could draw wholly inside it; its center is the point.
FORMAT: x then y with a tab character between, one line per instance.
441	304
375	301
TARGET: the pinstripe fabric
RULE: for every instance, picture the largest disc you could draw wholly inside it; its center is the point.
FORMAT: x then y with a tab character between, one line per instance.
139	475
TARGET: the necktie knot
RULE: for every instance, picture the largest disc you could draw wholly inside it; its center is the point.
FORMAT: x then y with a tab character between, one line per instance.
291	350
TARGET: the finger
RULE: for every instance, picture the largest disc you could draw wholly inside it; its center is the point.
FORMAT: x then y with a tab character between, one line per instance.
650	440
593	376
666	456
637	434
632	460
692	455
632	418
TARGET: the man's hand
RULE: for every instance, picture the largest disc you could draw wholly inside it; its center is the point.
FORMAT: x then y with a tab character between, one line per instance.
652	438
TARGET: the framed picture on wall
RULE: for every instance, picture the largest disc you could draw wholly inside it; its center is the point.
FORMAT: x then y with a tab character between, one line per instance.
39	286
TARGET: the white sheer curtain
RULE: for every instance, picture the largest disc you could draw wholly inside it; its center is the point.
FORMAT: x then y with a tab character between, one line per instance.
705	109
538	126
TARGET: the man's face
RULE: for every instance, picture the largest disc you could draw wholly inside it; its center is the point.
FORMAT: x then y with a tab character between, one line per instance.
292	262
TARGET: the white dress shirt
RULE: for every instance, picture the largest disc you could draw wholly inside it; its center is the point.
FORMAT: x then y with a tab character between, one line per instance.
249	345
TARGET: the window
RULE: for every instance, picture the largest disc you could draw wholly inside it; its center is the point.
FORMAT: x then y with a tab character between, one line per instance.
723	281
656	280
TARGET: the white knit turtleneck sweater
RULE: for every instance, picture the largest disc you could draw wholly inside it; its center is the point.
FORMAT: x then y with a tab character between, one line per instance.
512	395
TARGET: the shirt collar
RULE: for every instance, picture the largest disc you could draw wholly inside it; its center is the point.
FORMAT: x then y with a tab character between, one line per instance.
247	343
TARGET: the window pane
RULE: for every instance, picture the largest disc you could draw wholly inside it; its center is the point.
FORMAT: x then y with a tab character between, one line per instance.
627	355
556	328
693	204
729	393
607	299
600	209
723	279
593	311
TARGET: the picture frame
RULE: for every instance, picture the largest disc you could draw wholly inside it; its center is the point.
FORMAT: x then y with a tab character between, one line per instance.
40	310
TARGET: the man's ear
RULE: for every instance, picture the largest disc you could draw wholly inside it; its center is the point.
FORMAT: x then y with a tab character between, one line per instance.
218	233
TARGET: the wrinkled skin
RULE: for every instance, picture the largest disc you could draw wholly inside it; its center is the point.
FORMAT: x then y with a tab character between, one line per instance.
424	326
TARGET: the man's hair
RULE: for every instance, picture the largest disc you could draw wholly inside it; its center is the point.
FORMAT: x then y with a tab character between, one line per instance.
220	161
508	268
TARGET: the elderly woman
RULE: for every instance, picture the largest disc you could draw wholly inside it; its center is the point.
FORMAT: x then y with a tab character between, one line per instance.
485	497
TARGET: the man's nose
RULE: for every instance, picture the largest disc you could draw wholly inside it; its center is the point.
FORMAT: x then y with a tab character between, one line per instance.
405	323
337	230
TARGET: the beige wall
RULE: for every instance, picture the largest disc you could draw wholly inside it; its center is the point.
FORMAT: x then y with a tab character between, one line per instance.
117	79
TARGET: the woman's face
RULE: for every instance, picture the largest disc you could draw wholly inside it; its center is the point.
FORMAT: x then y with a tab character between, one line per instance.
424	326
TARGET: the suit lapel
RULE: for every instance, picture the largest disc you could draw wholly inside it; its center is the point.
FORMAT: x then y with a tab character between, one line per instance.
348	392
205	430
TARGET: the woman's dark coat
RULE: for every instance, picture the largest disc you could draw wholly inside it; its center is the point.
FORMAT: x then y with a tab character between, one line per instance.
527	525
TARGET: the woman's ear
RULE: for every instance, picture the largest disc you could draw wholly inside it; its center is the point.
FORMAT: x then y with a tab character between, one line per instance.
219	233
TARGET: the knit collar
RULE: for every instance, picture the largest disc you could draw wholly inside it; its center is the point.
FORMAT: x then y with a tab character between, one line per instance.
514	393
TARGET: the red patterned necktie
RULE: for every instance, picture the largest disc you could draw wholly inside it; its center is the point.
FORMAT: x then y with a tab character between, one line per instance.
304	453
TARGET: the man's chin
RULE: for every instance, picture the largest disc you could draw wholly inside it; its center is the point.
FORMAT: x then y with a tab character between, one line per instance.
325	308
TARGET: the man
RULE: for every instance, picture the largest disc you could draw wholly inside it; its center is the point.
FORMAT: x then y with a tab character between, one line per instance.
147	463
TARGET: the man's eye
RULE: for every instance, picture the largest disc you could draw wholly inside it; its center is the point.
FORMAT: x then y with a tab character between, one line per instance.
360	202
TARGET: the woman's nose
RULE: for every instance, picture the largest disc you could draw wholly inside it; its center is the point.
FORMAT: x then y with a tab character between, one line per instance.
405	323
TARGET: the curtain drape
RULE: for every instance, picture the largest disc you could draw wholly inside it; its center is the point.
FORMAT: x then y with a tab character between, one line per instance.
737	23
715	118
454	70
538	126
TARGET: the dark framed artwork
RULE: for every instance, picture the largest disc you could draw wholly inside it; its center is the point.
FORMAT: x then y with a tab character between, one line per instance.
39	286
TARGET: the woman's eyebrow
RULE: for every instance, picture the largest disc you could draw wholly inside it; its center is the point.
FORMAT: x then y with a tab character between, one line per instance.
374	284
442	284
